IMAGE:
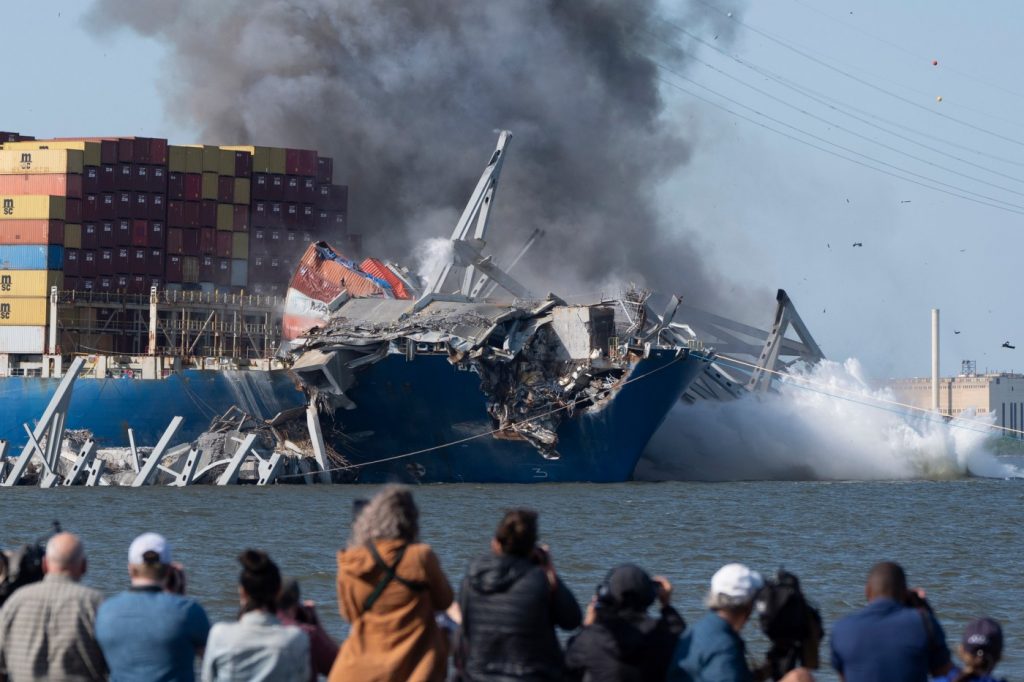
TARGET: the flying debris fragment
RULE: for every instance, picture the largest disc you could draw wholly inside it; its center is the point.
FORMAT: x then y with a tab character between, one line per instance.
858	244
935	62
956	331
939	98
1007	344
905	201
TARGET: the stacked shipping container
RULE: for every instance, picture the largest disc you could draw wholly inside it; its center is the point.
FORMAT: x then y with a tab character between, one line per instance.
139	212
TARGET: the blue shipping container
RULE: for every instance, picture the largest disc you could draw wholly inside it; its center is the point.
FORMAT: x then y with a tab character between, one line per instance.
31	257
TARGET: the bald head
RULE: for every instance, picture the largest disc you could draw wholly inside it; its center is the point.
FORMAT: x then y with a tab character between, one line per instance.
886	580
65	555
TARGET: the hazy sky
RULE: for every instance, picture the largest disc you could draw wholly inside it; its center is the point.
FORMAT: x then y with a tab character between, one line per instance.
769	211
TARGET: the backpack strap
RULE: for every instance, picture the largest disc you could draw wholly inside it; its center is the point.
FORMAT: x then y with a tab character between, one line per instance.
390	573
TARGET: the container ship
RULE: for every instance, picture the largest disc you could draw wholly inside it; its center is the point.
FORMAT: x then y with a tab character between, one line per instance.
466	377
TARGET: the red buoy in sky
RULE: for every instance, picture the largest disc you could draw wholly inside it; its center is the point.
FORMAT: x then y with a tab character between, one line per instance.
935	62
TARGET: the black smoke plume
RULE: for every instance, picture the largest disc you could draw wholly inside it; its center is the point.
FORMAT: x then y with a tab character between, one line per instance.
406	96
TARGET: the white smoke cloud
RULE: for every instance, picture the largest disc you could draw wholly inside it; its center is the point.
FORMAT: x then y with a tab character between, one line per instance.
831	427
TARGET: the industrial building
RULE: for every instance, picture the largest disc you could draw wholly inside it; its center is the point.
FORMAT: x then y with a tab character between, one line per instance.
998	393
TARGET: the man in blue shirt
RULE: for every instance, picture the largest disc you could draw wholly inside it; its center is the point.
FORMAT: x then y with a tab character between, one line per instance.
147	633
712	650
889	640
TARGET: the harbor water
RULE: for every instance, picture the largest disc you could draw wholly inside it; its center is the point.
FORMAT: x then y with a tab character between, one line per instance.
959	539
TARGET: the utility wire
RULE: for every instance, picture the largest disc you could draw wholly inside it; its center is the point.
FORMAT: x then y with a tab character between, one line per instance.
835	106
858	79
952	189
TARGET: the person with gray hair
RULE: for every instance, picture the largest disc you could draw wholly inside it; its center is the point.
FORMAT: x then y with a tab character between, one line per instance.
712	650
47	629
389	587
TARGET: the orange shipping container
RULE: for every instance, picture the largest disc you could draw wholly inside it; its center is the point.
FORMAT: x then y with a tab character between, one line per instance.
31	232
53	184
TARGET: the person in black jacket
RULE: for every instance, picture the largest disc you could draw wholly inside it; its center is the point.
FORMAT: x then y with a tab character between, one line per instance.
511	601
620	642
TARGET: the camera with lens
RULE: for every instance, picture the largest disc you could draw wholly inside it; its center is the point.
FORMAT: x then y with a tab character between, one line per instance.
792	625
24	565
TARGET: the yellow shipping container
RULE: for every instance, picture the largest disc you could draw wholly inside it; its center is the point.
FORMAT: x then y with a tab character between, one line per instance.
226	164
190	269
242	187
225	216
23	310
90	150
240	245
177	158
72	236
31	207
209	186
194	159
31	283
35	160
277	160
210	157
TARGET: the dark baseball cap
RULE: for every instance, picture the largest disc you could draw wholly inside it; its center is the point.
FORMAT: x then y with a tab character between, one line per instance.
983	636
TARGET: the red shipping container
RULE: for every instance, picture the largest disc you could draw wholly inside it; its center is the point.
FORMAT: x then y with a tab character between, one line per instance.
140	203
125	149
106	264
333	197
325	169
105	283
291	215
176	213
291	161
158	151
87	263
123	233
140	232
310	191
108	178
71	262
175	241
52	184
307	162
260	215
90	236
73	210
208	213
155	262
277	187
121	282
276	217
157	209
173	271
91	207
307	217
107	236
176	186
91	180
124	204
191	214
225	189
157	234
122	259
257	239
260	186
223	249
140	183
190	241
86	284
207	268
292	188
16	232
125	176
193	186
208	240
223	276
240	219
138	284
158	179
108	206
243	164
138	261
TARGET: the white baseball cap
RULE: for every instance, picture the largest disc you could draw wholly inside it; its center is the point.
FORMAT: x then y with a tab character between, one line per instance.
149	542
736	583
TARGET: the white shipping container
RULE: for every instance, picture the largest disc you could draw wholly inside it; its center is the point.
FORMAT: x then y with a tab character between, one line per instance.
22	339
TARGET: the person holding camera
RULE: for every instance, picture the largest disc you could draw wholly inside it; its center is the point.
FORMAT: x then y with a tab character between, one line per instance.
895	637
150	632
619	641
511	601
712	650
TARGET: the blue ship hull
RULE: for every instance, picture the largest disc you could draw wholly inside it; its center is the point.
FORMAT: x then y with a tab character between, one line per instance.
404	407
108	407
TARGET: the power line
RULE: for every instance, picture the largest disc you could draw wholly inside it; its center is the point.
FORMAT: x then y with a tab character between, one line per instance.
862	81
958	191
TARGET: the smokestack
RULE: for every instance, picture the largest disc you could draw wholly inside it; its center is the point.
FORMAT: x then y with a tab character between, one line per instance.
935	359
